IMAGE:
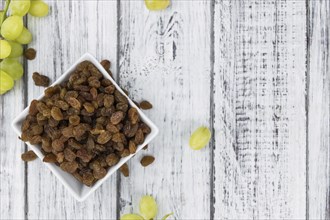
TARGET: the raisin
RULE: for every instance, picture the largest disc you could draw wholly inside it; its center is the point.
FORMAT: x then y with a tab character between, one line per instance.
50	158
36	129
67	132
147	160
78	177
33	110
40	80
60	157
25	125
98	171
120	97
74	144
56	113
84	155
132	147
119	146
113	129
62	105
139	137
74	119
94	82
122	107
35	140
106	64
110	89
30	54
112	159
108	101
50	91
58	145
130	130
88	179
117	138
28	156
104	137
74	103
46	144
117	117
145	128
133	115
145	105
124	170
69	167
89	107
125	153
69	155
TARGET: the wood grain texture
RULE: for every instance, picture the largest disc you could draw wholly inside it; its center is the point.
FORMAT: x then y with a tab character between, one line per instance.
72	29
319	110
165	59
259	97
12	175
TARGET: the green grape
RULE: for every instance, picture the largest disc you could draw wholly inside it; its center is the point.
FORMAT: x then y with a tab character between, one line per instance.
131	217
16	49
148	207
12	27
38	8
155	5
25	37
12	67
6	82
19	7
5	49
200	138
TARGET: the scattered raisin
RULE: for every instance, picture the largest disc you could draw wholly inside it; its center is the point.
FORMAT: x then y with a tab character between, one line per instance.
124	170
28	156
30	53
147	160
145	105
40	80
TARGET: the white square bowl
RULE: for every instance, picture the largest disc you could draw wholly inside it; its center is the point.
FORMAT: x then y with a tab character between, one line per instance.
76	188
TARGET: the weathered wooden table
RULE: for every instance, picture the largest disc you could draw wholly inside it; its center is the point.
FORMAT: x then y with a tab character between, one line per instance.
256	72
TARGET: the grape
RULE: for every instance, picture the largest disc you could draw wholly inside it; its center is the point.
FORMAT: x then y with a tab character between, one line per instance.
6	82
155	5
12	67
25	37
148	207
200	138
12	27
131	217
5	49
19	7
38	8
16	49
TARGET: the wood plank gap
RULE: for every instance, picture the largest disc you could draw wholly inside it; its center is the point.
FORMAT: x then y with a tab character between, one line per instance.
25	101
118	179
212	111
307	81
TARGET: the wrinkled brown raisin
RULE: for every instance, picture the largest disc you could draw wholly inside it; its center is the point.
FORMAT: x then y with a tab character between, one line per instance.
108	101
60	157
145	105
117	117
74	103
46	144
130	130
69	155
98	171
139	137
74	119
88	179
84	155
133	115
58	145
68	131
122	107
147	160
104	137
106	64
56	113
125	153
35	140
40	80
124	170
117	138
132	147
89	107
145	128
62	105
50	158
120	97
36	129
110	89
33	107
25	125
112	128
30	53
28	156
50	91
69	167
112	159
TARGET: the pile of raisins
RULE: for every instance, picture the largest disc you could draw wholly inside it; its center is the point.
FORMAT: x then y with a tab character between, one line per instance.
85	125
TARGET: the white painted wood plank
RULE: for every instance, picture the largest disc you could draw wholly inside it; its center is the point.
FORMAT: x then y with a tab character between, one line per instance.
165	58
12	168
260	132
319	111
71	29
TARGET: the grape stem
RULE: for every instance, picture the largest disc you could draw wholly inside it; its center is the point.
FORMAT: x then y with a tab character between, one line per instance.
5	11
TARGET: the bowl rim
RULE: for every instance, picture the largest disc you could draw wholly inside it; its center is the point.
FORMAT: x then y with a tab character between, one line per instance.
85	191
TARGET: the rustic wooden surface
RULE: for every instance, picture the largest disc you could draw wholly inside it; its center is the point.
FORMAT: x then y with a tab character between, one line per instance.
256	72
